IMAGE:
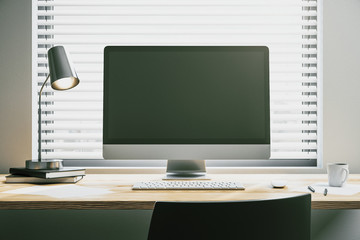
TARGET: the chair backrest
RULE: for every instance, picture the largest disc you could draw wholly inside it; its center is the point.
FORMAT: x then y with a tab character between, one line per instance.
278	219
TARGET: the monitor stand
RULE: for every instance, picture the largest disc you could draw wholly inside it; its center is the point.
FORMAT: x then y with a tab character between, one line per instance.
186	169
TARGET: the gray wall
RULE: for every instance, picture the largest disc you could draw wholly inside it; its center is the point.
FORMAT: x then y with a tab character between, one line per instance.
15	83
341	131
342	82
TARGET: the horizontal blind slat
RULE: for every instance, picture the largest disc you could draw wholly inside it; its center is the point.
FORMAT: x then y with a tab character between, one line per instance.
72	145
126	30
72	136
158	20
292	155
72	155
72	126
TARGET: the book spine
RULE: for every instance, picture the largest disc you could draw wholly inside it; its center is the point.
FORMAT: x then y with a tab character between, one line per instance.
26	173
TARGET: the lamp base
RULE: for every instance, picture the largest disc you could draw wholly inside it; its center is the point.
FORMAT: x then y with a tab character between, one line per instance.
44	164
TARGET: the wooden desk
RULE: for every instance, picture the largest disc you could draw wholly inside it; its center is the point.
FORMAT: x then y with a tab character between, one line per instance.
257	187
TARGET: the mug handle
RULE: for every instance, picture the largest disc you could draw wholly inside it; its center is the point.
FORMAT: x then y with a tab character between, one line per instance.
346	176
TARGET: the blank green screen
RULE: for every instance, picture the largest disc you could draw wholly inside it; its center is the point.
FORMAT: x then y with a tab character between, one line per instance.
186	95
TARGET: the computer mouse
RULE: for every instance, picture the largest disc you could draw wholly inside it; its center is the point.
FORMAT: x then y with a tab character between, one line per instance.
278	183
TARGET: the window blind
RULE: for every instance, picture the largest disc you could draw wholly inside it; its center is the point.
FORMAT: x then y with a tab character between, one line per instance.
72	120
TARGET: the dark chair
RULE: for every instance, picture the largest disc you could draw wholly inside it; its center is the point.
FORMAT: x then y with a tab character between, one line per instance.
278	219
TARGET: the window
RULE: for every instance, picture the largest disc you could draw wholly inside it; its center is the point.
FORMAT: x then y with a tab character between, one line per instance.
72	120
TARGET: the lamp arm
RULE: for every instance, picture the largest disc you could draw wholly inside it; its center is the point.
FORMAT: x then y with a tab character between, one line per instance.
39	119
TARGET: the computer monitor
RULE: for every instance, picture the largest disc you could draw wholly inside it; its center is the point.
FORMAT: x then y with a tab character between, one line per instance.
186	104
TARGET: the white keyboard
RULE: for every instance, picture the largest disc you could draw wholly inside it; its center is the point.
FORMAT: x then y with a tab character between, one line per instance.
187	185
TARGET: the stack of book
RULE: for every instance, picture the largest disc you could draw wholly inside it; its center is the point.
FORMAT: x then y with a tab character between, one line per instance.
63	175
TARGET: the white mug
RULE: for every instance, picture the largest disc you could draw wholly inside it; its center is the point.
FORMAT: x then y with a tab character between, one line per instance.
337	174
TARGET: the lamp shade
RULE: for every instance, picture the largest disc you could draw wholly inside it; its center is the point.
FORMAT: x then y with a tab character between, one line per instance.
62	72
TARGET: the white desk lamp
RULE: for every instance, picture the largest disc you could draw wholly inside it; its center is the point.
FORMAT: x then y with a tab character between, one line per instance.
62	77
